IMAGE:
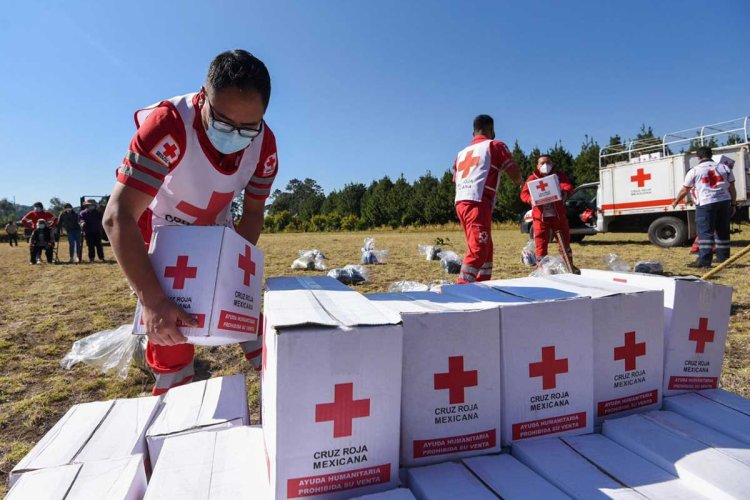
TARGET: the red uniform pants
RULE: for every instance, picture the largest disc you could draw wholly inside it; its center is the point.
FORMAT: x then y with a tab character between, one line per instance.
476	219
172	365
544	229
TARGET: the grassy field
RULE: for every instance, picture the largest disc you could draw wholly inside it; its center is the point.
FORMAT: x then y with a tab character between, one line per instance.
45	308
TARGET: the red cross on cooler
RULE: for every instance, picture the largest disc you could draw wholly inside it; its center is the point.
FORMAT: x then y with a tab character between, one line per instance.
246	264
343	410
630	351
548	368
542	186
641	177
456	380
180	272
701	335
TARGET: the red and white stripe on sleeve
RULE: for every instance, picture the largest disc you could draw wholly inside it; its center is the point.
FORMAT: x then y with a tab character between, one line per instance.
259	187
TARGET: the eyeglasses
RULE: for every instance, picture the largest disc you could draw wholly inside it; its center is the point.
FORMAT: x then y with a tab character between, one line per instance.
225	127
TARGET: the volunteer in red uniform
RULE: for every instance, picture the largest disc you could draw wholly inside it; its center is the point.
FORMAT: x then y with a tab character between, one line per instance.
36	214
190	156
476	173
552	216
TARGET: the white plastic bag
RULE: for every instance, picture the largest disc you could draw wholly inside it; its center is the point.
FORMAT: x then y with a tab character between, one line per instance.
372	256
450	262
550	264
429	252
350	274
310	260
437	285
615	263
108	350
408	286
528	254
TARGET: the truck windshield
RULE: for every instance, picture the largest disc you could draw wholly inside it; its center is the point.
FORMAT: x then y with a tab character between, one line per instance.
586	195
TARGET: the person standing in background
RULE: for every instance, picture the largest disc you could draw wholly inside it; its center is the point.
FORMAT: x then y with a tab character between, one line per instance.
12	229
69	221
36	213
92	229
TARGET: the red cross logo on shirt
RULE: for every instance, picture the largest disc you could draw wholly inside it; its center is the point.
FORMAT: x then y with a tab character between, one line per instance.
170	150
245	262
701	335
548	368
712	178
542	186
630	351
456	380
467	164
343	410
641	177
207	216
180	272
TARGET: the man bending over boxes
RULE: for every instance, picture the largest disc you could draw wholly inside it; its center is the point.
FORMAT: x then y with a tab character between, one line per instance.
190	156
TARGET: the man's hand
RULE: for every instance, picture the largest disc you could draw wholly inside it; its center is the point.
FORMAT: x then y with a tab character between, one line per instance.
734	210
160	320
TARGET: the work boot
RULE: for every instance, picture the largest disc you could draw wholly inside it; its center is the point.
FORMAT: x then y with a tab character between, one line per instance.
699	265
574	269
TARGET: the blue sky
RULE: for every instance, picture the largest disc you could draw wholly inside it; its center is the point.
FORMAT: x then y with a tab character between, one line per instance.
360	89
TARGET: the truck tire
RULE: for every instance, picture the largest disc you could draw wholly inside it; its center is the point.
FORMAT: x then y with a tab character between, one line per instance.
667	232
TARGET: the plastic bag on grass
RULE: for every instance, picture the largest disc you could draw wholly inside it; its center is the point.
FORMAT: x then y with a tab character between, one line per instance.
437	285
450	262
310	260
408	286
107	350
429	252
550	264
615	263
370	255
528	254
350	274
649	267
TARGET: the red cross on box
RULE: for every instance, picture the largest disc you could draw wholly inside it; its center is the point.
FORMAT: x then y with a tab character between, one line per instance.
701	335
630	351
456	380
542	186
641	177
207	216
343	410
466	164
712	178
245	262
180	272
170	150
548	368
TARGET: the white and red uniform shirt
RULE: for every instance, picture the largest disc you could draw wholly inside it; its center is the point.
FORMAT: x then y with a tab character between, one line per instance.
477	169
31	218
709	182
172	159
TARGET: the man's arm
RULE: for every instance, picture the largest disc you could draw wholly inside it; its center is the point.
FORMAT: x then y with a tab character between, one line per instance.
251	223
160	313
683	192
525	196
514	174
733	194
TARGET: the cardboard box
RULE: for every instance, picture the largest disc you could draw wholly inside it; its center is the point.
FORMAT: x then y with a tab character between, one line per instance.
213	274
476	296
395	494
511	479
213	404
331	388
723	159
451	378
116	479
706	435
446	480
730	399
705	469
229	463
93	431
630	469
545	190
712	414
696	321
628	343
562	466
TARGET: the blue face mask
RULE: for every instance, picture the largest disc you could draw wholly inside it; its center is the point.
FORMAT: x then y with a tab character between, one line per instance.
226	142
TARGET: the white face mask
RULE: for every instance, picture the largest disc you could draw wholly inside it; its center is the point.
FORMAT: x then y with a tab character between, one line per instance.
546	168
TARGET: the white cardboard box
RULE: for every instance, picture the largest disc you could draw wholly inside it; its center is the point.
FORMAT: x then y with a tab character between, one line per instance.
705	469
331	387
448	480
229	464
511	479
696	322
628	344
215	275
451	378
394	494
706	435
476	296
730	399
630	469
115	479
213	404
545	190
560	465
93	431
712	414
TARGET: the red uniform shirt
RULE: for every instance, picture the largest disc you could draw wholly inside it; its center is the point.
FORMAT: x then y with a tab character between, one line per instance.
30	219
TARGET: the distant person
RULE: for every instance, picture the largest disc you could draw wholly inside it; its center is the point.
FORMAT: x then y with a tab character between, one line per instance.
41	239
190	156
715	197
11	228
36	213
550	217
70	222
476	173
91	219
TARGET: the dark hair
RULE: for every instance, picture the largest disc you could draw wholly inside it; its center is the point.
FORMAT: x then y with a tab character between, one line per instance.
67	205
704	152
38	204
545	155
483	122
239	68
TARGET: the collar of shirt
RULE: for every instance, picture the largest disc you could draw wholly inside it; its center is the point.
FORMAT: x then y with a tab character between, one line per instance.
227	164
479	138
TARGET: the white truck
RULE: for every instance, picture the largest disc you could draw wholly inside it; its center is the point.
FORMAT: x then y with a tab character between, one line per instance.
639	180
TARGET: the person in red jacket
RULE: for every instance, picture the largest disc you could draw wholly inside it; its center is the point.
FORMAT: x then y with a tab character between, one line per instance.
36	213
550	217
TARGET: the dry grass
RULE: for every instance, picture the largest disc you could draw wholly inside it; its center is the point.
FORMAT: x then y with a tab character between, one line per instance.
44	308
